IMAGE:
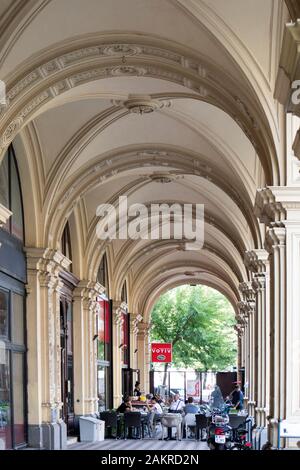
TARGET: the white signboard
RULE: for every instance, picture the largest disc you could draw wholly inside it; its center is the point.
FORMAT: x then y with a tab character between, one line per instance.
289	429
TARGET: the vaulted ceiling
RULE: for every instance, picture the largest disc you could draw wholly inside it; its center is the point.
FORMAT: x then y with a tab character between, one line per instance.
206	68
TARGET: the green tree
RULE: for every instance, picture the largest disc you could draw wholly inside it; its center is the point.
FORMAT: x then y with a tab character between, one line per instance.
199	322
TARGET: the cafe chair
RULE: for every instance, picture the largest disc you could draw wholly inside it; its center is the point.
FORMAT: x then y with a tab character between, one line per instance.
133	421
111	422
189	422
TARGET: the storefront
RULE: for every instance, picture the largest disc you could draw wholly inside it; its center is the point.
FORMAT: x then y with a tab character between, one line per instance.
104	354
12	311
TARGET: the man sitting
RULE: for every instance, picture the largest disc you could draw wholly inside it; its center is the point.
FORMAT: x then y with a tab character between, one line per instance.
190	407
177	404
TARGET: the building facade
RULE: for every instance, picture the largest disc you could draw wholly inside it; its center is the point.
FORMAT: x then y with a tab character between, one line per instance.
162	101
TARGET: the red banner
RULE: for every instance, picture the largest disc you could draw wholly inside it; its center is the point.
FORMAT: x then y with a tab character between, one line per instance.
104	321
161	352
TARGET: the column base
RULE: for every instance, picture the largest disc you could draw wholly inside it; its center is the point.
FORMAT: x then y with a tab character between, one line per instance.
35	436
50	436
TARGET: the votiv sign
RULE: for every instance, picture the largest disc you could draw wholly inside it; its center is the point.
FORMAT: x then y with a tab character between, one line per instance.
161	352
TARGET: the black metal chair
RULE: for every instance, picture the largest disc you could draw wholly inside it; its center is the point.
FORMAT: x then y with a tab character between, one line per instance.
111	422
201	423
133	421
147	424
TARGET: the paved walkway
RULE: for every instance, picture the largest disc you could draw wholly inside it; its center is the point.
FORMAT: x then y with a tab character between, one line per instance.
143	444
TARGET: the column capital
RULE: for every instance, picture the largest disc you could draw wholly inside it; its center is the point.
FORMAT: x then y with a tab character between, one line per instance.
259	282
275	238
88	289
257	260
278	205
46	259
5	214
144	329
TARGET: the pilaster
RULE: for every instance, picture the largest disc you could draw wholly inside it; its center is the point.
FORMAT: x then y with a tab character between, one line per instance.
45	427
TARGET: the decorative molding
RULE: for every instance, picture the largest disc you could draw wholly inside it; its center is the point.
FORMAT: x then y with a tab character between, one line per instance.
275	238
289	66
296	145
266	208
142	104
5	214
256	260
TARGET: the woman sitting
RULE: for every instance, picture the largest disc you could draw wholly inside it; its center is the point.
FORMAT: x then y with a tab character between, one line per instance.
125	405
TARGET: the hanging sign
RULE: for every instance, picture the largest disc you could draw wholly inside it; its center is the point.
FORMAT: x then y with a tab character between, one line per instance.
161	352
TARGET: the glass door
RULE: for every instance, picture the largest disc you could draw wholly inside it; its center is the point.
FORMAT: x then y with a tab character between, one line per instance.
12	368
67	382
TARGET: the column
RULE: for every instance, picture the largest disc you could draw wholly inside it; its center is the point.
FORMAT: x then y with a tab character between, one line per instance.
118	308
85	310
45	426
258	263
249	308
134	322
144	355
279	209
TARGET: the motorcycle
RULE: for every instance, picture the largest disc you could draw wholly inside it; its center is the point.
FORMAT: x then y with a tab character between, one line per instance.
219	432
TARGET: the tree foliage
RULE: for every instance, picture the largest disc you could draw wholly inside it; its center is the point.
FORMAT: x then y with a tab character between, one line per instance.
199	321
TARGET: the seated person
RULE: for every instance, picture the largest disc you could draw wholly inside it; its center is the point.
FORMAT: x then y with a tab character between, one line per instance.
154	406
137	390
125	405
177	404
158	399
190	407
155	410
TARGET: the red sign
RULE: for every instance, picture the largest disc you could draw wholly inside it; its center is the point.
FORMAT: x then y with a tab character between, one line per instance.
161	352
104	321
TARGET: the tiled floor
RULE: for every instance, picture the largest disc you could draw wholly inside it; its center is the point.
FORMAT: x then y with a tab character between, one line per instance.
144	444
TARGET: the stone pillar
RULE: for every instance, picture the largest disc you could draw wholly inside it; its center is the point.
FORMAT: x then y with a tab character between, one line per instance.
134	322
258	263
144	355
249	308
279	209
243	331
85	310
45	426
118	308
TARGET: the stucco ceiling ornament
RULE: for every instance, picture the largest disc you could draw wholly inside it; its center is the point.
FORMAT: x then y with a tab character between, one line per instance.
164	178
142	104
10	132
127	70
121	49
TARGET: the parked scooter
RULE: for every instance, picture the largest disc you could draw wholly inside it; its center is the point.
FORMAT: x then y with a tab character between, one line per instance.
219	432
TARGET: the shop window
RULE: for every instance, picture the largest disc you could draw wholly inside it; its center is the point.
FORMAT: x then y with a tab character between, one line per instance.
10	193
124	293
104	354
125	338
104	330
12	365
66	247
102	276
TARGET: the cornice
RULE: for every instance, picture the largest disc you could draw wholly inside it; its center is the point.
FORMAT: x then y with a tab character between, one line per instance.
289	66
5	214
